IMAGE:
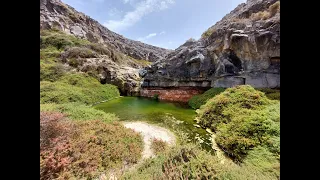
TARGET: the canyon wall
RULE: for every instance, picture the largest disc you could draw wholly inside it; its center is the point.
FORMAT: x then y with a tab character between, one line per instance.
242	48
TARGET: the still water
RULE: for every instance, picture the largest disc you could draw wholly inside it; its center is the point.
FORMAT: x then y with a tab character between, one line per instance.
177	117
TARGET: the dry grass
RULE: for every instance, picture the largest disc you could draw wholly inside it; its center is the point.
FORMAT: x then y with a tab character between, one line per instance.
158	146
270	12
84	149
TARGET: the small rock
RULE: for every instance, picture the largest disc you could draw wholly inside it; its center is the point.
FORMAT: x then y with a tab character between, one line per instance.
197	125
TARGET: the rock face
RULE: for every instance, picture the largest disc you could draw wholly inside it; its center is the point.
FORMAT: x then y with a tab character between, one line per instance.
181	94
242	48
55	14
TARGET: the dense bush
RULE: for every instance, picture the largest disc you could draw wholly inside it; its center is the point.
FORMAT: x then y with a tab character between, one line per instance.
76	88
59	40
51	72
273	94
78	111
54	144
79	52
180	162
198	100
189	161
90	149
243	118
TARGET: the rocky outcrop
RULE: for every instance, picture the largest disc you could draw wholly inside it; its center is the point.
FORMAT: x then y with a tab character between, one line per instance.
126	78
55	14
242	48
123	73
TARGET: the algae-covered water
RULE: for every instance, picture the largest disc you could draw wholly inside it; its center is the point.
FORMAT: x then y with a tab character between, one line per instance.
177	117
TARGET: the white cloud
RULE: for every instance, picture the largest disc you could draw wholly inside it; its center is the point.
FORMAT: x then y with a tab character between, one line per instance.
162	32
170	42
147	37
114	12
141	9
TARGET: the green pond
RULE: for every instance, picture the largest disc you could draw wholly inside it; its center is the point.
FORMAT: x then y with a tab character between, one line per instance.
177	117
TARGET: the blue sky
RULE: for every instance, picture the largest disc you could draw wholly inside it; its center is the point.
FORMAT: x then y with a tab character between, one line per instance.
163	23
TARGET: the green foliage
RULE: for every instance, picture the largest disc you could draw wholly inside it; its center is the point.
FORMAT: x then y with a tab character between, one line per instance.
76	88
198	100
243	118
59	40
78	111
155	97
180	162
273	94
208	33
79	52
49	52
51	72
85	149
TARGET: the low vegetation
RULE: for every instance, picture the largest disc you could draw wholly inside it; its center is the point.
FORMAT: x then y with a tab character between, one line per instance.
243	118
80	142
273	94
79	111
158	146
84	149
189	161
198	100
270	12
76	88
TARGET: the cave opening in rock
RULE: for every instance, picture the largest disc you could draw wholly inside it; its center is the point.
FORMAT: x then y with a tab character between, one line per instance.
235	60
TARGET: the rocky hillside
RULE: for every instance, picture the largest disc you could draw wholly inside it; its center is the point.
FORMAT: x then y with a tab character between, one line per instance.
56	14
242	48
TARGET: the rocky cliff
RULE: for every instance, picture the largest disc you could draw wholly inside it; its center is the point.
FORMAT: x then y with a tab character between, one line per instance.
55	14
122	58
242	48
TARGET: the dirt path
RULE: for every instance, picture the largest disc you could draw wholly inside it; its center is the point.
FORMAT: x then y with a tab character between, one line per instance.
149	132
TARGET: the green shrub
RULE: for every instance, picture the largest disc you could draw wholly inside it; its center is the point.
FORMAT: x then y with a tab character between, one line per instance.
79	52
49	52
78	111
273	94
88	150
248	130
180	162
198	100
155	97
99	48
51	72
60	40
243	118
76	88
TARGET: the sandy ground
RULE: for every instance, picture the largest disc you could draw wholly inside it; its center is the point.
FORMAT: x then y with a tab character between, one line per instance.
149	132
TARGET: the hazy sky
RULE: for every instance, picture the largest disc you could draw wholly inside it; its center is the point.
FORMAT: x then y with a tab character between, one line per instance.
164	23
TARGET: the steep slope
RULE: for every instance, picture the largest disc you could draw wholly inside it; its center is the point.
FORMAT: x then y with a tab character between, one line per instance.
56	14
242	48
112	58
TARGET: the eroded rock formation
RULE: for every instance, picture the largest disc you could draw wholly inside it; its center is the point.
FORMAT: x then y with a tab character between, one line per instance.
56	14
242	48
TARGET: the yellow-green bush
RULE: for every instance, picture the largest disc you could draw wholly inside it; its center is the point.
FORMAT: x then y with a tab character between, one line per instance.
76	88
78	111
243	118
198	100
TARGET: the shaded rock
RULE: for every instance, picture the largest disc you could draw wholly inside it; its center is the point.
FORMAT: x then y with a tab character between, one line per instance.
236	50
